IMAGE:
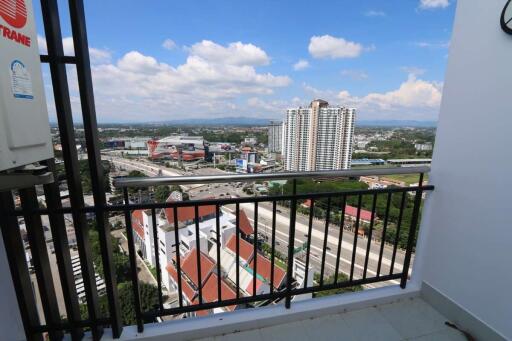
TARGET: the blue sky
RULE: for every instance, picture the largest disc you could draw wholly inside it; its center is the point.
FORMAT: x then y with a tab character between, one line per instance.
164	60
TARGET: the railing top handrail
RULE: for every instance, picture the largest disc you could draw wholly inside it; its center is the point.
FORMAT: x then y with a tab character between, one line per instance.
205	179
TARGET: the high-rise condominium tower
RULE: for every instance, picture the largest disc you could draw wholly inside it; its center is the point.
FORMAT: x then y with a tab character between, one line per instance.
275	135
318	138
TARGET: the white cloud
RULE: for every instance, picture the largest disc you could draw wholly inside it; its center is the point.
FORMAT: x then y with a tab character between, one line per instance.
354	74
301	65
413	70
168	44
327	46
234	54
413	99
429	4
96	55
277	107
433	45
139	87
374	13
413	93
41	43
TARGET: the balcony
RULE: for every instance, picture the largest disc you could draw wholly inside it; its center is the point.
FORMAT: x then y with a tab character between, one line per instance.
232	263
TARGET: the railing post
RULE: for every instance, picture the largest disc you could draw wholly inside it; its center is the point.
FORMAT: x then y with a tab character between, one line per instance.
62	254
15	254
291	246
63	110
83	69
133	262
41	260
412	233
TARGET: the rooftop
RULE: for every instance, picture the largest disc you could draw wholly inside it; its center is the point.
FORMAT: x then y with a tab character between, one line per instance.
186	214
246	250
189	266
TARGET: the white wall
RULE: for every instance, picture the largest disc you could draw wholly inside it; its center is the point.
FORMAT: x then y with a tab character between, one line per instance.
468	227
11	326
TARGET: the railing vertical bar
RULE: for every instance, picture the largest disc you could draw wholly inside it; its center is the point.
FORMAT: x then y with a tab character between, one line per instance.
397	236
16	257
326	237
412	233
255	251
308	247
62	255
41	259
272	259
69	153
383	237
218	238
291	243
198	255
370	235
178	256
356	232
133	263
237	239
157	260
84	77
340	238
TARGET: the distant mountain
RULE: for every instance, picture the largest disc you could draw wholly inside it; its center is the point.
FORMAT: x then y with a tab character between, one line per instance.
221	121
395	123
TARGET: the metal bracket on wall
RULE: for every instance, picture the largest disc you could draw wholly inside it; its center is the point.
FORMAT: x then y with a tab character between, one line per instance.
25	177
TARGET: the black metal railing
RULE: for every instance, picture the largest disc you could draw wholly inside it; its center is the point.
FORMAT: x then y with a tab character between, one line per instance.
357	263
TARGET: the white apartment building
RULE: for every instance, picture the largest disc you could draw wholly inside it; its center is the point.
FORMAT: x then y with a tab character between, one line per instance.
275	136
319	137
144	236
166	249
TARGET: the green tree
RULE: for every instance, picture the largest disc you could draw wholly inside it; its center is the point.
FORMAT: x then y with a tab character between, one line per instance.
119	260
330	280
136	174
162	193
148	300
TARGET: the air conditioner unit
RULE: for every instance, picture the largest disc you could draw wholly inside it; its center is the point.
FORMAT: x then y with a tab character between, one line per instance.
24	125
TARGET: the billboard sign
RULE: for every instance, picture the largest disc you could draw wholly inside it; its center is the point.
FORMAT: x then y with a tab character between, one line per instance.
241	165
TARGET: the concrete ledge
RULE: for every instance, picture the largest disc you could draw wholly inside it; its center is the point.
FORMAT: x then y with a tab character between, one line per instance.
458	315
247	319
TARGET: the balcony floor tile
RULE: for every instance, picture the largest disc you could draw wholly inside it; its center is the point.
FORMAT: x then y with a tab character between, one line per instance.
413	318
369	324
408	319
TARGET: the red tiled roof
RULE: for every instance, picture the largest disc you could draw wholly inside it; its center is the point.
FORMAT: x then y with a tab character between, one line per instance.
245	248
200	313
352	211
210	291
249	287
245	224
186	289
263	268
138	223
188	213
307	203
189	266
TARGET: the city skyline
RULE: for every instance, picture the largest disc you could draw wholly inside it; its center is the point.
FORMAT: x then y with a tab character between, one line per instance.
228	60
